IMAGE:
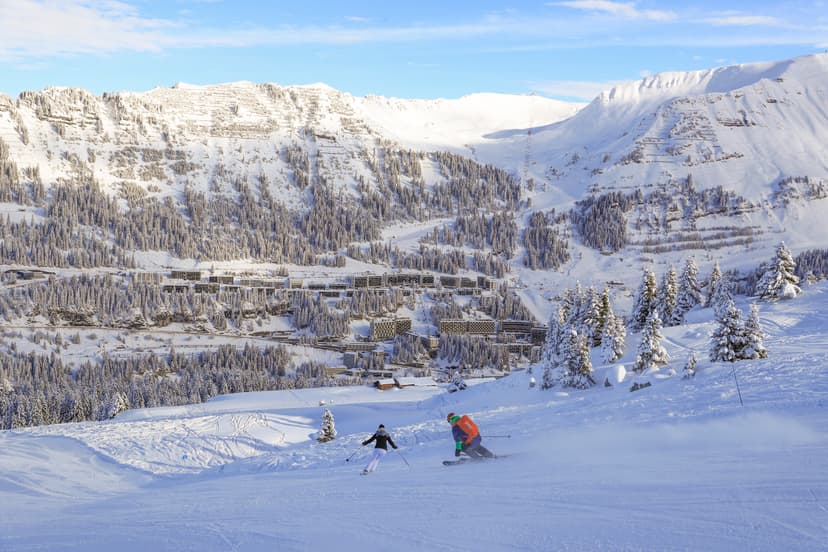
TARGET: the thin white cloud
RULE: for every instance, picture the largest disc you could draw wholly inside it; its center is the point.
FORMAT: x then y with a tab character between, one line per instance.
42	28
584	90
32	28
356	19
332	35
620	9
744	21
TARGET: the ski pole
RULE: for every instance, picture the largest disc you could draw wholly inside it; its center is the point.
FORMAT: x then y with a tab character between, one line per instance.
497	436
737	385
403	457
352	455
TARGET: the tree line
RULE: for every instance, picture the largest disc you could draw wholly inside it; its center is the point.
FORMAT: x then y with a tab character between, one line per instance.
584	319
38	389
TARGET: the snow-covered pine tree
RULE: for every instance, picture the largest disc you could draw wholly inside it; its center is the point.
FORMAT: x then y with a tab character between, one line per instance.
457	383
689	292
567	303
605	311
408	348
779	281
567	342
577	362
644	302
728	338
554	336
666	297
713	285
614	339
548	376
554	346
113	406
591	324
328	430
722	296
575	306
754	337
650	351
690	367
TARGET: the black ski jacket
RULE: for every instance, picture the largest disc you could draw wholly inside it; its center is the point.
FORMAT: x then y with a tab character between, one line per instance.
382	438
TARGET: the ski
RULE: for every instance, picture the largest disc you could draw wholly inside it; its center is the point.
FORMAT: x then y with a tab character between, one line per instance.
466	459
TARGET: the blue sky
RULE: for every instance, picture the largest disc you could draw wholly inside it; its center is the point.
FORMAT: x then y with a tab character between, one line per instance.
424	49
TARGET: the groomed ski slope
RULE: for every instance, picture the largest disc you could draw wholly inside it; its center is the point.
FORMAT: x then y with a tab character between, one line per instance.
680	465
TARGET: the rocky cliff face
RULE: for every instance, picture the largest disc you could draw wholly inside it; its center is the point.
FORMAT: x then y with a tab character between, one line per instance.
169	137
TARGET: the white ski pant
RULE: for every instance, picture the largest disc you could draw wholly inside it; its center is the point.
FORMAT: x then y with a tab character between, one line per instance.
375	458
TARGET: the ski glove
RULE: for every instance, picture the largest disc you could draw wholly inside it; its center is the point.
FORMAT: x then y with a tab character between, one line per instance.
364	443
457	452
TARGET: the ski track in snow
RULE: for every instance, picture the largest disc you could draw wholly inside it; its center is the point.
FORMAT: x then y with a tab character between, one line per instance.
679	466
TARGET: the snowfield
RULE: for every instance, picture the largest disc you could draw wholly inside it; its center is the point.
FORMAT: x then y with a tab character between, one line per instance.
680	465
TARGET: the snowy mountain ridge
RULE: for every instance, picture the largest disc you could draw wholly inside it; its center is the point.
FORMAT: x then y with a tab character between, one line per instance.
743	127
714	154
207	125
695	83
677	121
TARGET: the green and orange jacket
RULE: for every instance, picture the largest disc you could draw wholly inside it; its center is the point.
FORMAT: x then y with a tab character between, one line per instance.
464	432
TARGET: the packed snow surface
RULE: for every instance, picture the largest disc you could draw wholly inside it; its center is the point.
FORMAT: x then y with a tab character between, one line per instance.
679	465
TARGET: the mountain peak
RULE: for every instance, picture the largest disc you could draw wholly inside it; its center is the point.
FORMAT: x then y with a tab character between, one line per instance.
729	78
